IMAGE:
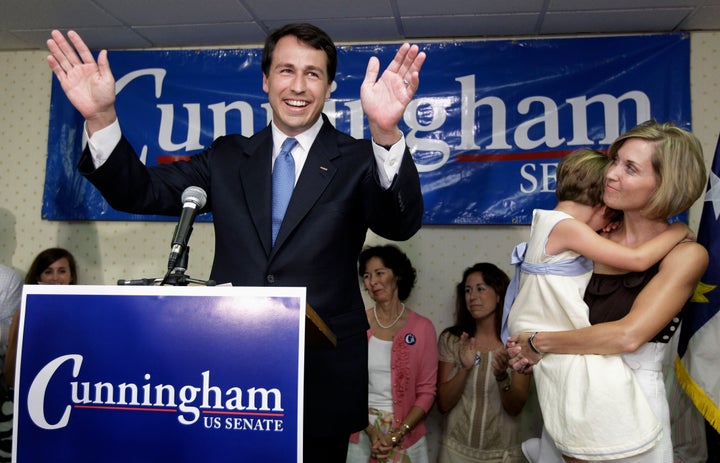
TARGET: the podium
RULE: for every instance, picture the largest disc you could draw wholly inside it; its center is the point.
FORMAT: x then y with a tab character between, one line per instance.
149	374
317	333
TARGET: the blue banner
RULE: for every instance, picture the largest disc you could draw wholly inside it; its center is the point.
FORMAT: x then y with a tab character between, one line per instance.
148	374
487	126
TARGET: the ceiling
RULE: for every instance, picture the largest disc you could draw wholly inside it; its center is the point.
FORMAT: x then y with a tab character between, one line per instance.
123	24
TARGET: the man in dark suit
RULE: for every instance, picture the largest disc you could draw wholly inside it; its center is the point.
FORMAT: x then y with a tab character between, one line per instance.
343	186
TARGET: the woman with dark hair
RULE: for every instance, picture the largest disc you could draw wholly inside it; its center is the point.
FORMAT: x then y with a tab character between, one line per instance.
481	422
402	363
53	266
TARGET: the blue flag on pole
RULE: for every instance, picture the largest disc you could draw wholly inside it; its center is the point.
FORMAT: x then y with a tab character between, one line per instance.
699	344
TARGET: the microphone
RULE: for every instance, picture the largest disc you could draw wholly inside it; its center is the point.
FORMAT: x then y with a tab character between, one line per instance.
193	199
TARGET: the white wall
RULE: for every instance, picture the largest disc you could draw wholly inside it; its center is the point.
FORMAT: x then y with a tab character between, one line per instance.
108	251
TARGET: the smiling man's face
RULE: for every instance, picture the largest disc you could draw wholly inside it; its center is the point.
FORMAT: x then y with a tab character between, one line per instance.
297	85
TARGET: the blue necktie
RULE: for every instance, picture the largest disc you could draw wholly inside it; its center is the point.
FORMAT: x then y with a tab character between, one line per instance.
283	182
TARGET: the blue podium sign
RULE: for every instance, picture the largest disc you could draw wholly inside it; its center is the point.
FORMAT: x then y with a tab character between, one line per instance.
157	374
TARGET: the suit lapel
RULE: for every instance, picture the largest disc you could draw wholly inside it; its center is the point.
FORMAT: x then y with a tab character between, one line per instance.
255	181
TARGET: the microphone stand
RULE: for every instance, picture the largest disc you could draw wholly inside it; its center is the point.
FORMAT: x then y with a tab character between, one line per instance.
174	276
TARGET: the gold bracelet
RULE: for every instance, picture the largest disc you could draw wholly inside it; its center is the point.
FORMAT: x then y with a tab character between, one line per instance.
394	439
405	428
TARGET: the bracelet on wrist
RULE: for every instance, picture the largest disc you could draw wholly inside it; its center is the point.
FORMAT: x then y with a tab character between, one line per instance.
532	345
507	383
502	377
397	437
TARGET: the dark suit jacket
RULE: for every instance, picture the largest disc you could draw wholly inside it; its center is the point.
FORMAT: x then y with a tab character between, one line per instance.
336	199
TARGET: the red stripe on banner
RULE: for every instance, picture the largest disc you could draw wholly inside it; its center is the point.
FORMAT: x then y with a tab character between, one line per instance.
512	156
218	412
169	159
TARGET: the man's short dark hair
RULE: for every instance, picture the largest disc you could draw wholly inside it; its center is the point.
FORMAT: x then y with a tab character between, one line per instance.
308	34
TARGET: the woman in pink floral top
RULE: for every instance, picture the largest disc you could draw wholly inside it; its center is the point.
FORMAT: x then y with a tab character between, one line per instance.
402	363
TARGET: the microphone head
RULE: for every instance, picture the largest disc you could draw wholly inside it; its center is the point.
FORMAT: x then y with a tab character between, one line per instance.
195	195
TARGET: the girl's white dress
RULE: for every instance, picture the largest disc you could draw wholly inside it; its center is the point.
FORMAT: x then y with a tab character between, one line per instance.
592	406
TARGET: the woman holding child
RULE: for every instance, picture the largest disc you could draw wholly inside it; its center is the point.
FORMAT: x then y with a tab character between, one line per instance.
657	171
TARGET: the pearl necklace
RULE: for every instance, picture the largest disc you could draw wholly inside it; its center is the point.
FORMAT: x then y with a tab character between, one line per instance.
391	324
